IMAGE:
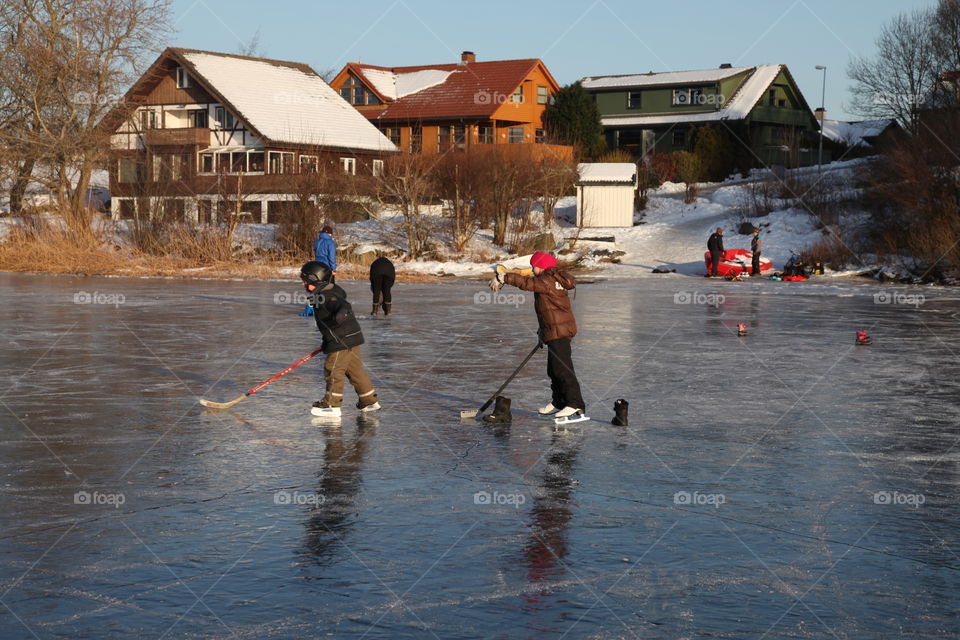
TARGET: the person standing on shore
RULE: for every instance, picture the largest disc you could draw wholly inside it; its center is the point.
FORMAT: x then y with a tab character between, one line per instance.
325	249
755	245
715	247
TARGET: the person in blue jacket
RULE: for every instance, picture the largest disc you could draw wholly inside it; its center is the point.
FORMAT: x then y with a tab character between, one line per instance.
325	251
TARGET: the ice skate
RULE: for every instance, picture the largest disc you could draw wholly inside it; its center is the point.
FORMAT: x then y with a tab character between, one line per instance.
569	415
369	407
548	410
323	410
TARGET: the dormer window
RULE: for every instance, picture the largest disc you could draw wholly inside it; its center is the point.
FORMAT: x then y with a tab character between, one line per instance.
681	97
356	94
225	118
184	81
517	95
633	100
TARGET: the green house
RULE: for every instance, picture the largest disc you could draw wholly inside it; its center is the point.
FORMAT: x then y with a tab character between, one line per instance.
762	109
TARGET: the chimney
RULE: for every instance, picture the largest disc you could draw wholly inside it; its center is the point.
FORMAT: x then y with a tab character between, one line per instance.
726	65
820	114
467	57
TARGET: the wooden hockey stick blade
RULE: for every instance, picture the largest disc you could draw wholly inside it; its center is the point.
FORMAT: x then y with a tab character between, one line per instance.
524	271
221	405
466	414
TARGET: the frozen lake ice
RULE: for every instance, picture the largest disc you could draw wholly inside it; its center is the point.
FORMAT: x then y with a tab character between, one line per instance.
787	484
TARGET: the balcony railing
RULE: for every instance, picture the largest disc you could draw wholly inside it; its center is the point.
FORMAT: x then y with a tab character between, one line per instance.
178	137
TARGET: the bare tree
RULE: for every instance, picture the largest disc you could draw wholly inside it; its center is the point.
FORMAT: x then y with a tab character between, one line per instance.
900	74
63	66
406	183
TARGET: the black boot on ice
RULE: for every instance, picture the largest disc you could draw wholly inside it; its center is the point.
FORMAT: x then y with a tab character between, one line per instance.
620	409
501	412
376	307
386	308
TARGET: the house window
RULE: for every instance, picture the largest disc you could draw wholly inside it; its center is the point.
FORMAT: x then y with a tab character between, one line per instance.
158	171
223	163
346	93
255	162
224	118
416	138
377	168
772	97
148	120
356	94
206	163
679	138
515	135
543	95
776	135
349	165
485	135
238	162
204	211
696	96
131	170
280	161
308	164
681	97
781	103
127	209
517	95
184	81
539	136
197	118
459	136
393	133
178	165
443	138
633	100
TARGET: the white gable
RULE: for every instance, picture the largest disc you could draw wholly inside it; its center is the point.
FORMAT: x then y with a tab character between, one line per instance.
288	105
652	79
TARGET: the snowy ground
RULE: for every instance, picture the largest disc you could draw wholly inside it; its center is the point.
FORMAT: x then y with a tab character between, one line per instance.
783	485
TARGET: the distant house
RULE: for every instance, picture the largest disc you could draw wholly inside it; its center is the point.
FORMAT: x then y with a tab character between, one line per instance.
442	107
202	133
656	112
605	194
867	134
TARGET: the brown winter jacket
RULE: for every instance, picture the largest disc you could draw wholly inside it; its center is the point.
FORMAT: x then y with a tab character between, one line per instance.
550	300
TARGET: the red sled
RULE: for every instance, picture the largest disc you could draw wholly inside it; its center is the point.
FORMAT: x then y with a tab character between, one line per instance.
736	262
794	278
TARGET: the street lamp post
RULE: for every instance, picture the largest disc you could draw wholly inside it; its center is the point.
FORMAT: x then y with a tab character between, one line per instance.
823	113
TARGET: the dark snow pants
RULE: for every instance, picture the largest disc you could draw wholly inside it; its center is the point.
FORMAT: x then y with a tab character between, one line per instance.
715	259
755	266
563	379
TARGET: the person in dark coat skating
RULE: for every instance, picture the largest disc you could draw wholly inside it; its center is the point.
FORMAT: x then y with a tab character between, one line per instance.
715	247
382	277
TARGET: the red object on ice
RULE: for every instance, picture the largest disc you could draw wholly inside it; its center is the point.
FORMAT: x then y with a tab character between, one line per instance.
794	278
863	338
742	329
736	262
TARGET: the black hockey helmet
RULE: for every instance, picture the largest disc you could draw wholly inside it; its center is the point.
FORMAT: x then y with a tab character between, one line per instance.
316	273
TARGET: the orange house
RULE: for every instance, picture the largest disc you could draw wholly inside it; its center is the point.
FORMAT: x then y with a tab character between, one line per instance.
438	108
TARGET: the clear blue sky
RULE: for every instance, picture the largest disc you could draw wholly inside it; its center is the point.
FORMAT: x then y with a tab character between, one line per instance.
574	38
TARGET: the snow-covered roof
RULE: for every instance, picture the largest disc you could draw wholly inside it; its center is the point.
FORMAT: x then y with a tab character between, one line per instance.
607	172
736	107
653	79
287	103
854	133
397	85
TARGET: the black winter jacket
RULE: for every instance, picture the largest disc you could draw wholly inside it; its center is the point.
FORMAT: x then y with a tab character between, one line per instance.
335	319
715	243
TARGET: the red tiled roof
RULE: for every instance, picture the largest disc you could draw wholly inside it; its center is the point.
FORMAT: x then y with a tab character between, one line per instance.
476	89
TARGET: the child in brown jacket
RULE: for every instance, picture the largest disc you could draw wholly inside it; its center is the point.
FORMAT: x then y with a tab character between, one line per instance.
557	328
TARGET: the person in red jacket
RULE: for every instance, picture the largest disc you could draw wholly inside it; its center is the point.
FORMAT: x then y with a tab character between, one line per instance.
557	328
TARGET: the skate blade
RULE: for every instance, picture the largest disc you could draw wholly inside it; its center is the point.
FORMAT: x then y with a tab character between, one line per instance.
571	419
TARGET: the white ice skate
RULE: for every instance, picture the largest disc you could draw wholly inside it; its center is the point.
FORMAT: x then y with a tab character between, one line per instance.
370	407
569	415
548	410
323	410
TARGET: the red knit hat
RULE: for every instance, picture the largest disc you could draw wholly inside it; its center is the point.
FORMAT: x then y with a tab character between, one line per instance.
542	260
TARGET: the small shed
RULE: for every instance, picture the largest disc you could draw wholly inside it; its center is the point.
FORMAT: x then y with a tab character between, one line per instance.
605	194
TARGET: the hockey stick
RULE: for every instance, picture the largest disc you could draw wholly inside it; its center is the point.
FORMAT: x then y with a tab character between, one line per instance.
472	413
227	405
